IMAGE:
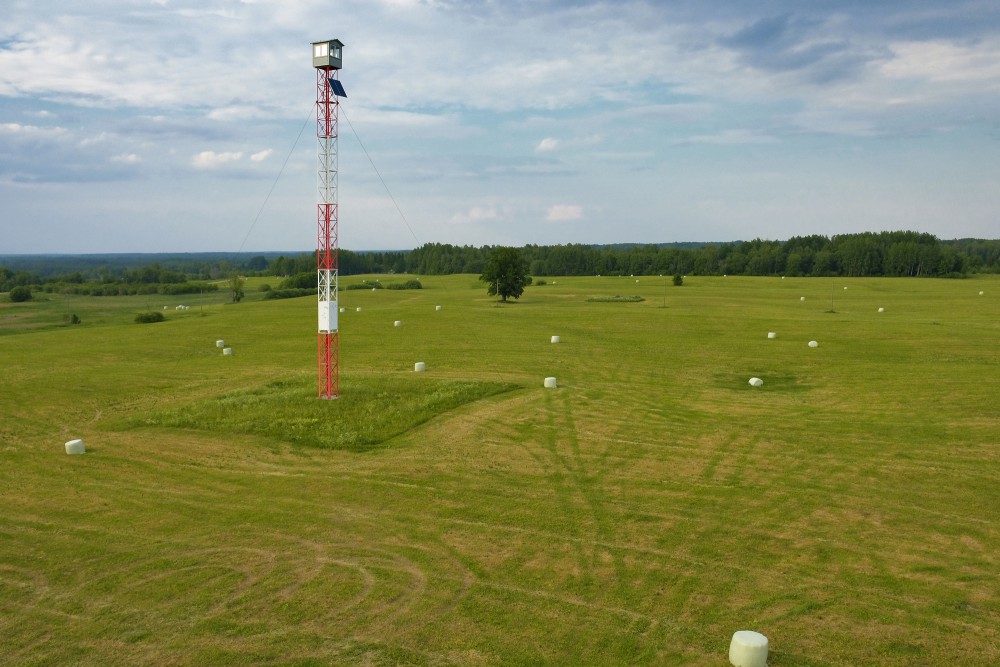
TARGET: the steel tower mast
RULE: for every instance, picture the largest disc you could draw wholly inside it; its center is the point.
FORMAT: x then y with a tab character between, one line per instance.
327	59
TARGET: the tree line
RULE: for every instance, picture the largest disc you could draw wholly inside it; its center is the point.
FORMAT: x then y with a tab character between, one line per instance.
899	253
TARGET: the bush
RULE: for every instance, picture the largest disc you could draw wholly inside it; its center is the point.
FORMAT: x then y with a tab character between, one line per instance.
20	293
264	288
409	284
289	293
364	284
617	299
187	288
299	281
540	282
678	280
146	318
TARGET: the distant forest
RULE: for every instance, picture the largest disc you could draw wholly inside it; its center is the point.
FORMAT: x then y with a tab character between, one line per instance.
901	254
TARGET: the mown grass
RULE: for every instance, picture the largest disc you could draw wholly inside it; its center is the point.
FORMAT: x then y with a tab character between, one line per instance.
639	514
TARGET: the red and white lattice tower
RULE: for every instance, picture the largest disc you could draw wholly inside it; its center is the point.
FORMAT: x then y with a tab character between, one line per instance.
327	59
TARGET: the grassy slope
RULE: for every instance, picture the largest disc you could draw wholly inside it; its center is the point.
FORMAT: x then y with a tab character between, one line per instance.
640	513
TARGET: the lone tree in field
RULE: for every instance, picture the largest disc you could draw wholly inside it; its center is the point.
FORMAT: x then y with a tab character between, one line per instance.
236	285
505	273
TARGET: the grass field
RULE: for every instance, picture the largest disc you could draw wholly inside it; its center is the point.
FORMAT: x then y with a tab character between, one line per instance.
640	513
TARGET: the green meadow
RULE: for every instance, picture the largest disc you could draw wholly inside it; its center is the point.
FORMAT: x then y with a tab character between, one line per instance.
638	514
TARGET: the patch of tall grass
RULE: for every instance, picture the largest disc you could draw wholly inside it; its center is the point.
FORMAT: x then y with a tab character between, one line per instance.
371	411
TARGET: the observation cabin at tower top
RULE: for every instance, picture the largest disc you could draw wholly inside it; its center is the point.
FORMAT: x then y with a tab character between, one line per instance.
328	54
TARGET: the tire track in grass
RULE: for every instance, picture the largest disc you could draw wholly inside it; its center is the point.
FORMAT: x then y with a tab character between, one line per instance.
575	481
385	604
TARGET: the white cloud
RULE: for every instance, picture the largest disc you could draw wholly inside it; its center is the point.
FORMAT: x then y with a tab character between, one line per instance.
30	130
730	138
262	155
211	159
563	212
475	214
546	145
940	61
127	158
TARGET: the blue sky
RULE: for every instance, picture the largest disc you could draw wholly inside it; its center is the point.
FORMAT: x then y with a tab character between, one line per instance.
162	126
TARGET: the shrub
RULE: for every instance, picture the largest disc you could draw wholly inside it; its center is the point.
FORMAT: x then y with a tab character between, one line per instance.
299	281
289	293
617	299
20	293
678	280
409	284
187	288
146	318
364	284
264	288
540	282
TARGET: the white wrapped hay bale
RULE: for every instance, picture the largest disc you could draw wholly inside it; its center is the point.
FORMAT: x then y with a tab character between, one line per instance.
343	310
359	309
881	310
437	307
748	649
220	343
75	447
756	382
772	334
802	298
813	343
419	367
397	323
227	351
555	339
550	383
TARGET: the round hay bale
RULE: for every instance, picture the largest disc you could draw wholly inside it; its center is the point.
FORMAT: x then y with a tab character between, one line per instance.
359	309
437	307
554	339
748	649
397	323
772	334
813	343
756	382
881	310
227	351
343	310
220	343
802	298
419	367
550	383
75	447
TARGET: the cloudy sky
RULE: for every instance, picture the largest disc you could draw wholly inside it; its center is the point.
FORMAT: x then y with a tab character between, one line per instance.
188	125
